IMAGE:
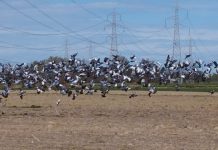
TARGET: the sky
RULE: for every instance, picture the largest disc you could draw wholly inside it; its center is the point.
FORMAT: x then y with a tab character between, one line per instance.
36	29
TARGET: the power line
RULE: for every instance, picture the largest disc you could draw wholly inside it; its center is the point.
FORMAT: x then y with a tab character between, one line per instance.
88	11
11	45
196	40
27	16
59	23
47	16
5	28
78	36
133	35
140	31
10	61
135	42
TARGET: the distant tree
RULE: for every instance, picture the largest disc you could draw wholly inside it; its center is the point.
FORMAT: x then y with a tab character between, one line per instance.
214	78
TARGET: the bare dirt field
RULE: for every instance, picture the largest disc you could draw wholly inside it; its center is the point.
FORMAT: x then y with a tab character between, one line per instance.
166	121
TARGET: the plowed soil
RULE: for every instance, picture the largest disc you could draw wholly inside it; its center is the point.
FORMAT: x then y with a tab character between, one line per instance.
166	121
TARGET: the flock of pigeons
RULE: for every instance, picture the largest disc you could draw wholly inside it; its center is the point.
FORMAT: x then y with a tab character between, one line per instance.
73	76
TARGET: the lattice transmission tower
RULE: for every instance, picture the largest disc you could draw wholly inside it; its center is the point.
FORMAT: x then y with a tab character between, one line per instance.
115	17
66	51
177	54
90	50
190	45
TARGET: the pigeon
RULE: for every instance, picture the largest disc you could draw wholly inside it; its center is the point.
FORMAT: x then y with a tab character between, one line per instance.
38	90
58	102
167	61
116	71
212	92
151	90
215	64
103	93
73	56
187	56
132	95
21	93
69	92
74	96
132	58
106	59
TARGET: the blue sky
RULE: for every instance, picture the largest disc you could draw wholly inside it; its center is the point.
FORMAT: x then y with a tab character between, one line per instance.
145	28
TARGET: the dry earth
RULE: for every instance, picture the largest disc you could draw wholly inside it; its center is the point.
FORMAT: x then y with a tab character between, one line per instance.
167	121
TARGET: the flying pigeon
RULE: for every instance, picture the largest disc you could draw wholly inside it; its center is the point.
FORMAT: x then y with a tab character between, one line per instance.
215	64
187	56
73	56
